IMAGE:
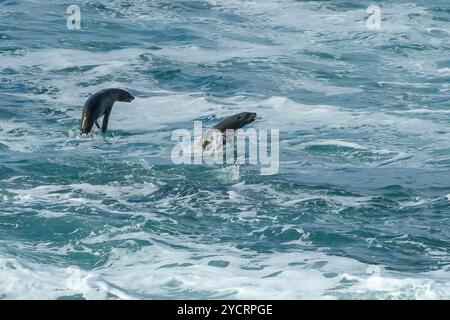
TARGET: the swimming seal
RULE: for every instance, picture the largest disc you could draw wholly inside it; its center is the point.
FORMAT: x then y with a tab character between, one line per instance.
233	122
100	104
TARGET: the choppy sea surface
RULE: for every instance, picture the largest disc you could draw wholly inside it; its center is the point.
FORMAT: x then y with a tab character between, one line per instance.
360	207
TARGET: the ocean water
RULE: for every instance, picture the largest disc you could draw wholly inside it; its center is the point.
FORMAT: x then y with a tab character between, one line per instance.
360	207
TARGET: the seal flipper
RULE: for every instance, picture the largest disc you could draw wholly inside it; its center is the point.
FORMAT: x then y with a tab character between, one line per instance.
105	119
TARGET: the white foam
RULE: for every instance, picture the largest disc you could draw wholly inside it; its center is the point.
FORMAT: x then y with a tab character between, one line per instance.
291	199
175	108
419	111
400	157
58	59
19	136
444	71
75	195
332	142
160	271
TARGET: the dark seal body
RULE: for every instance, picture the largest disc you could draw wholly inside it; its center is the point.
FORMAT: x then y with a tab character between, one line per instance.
100	104
233	122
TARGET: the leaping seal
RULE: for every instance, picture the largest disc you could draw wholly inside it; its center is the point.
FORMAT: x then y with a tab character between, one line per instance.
100	104
233	122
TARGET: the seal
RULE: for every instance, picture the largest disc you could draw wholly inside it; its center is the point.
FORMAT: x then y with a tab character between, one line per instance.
100	104
233	122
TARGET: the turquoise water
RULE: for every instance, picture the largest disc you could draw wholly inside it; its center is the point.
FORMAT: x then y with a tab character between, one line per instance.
360	206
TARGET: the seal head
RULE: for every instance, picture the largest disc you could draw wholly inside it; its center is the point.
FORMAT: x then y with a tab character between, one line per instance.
125	96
